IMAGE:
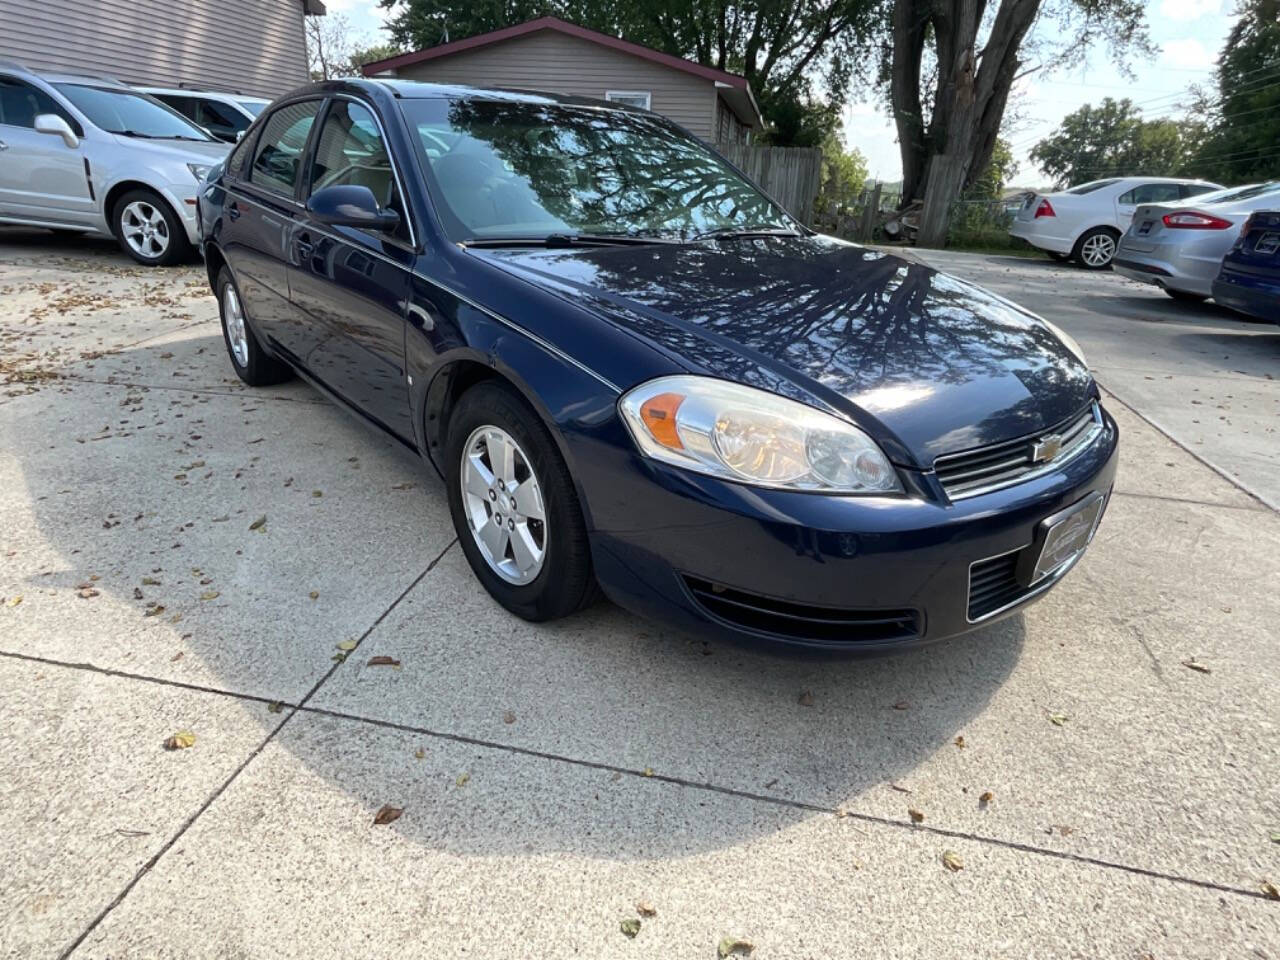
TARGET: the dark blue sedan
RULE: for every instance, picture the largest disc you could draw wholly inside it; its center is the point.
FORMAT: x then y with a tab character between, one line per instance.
1249	280
635	372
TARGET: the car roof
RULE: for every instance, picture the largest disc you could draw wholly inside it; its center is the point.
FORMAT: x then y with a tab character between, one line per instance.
214	94
418	90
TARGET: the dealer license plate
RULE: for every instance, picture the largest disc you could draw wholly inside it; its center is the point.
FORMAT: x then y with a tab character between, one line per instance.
1063	537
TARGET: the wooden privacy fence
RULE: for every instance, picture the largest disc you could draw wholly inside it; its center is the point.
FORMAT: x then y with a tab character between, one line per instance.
791	175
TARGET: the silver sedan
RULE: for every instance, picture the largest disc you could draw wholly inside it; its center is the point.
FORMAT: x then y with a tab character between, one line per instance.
1179	247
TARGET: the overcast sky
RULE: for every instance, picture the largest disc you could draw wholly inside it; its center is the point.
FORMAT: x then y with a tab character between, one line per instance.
1188	33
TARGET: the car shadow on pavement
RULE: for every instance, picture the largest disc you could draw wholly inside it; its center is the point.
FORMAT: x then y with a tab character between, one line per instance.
155	491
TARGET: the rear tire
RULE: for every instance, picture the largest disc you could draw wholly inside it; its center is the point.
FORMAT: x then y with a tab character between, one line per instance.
1096	248
1186	296
148	230
251	362
485	421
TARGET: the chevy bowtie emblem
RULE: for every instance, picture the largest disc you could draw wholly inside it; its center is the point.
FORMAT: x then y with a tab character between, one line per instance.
1046	448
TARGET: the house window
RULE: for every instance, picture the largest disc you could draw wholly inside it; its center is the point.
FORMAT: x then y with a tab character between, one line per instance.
632	98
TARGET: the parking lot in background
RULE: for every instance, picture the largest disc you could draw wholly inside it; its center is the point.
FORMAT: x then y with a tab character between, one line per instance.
256	568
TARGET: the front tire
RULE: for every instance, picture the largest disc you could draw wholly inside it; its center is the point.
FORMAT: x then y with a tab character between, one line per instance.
148	230
514	506
1186	296
1096	248
251	362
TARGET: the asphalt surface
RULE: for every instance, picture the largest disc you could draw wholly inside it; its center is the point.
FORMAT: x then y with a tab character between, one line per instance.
1100	797
1204	376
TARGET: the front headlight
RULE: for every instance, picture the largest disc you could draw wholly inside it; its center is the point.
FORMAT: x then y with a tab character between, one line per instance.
199	171
752	436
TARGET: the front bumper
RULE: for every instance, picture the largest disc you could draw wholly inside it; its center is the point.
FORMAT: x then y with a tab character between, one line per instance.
719	548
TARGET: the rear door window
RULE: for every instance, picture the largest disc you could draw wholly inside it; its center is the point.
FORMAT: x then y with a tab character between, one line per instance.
1151	193
281	147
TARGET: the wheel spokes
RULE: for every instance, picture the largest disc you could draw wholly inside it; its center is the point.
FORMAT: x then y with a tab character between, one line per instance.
528	499
523	548
495	537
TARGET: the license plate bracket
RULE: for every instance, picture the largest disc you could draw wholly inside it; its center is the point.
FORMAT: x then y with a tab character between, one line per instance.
1060	539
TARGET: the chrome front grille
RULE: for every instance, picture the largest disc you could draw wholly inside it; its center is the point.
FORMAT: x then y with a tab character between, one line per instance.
980	471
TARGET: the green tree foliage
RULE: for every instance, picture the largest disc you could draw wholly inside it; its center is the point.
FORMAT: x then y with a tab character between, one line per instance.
780	46
844	172
1243	140
1113	140
999	171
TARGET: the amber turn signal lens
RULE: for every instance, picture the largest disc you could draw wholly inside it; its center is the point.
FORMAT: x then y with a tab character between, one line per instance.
659	415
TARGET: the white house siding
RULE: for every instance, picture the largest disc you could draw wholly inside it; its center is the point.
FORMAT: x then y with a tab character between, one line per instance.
555	63
254	47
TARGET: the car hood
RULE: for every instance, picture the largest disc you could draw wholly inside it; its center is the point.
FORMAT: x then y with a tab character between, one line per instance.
927	363
179	151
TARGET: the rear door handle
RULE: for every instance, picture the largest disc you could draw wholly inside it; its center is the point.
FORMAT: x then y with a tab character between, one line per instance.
233	211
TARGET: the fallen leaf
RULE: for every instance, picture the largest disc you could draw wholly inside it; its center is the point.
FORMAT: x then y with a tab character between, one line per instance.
153	611
630	926
88	593
959	742
841	813
137	593
646	909
917	816
1058	719
259	523
386	815
403	486
317	493
13	601
347	645
986	798
951	860
419	753
176	657
508	717
1271	890
180	740
1198	667
150	582
734	945
806	699
899	787
902	705
462	779
275	706
383	662
648	771
338	657
314	594
1275	836
209	595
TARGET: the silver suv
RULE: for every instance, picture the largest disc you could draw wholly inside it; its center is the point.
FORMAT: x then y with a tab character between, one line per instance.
91	155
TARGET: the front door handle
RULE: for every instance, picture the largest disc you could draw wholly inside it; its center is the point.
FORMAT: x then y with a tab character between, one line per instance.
3	145
305	247
233	211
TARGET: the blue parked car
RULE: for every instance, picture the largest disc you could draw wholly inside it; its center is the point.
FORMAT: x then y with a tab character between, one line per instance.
1249	280
635	372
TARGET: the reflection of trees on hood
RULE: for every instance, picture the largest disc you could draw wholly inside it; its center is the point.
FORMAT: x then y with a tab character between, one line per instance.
838	314
611	171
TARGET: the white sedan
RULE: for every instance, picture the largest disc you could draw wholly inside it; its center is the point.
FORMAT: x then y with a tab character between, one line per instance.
1086	222
1179	247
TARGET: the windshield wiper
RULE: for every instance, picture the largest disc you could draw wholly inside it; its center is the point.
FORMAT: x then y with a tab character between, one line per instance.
736	233
136	133
557	240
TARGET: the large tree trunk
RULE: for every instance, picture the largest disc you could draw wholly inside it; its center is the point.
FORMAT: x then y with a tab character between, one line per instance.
973	87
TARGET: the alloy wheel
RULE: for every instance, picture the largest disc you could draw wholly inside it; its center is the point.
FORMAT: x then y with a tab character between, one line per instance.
1098	250
504	505
237	335
145	229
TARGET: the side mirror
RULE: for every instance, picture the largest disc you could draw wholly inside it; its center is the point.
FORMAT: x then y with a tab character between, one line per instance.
52	123
350	205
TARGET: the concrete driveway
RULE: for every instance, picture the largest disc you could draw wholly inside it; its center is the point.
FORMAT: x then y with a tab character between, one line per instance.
1102	769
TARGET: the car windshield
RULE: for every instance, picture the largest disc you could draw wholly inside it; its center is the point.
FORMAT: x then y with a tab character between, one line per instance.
1234	194
1091	186
253	106
527	169
130	113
